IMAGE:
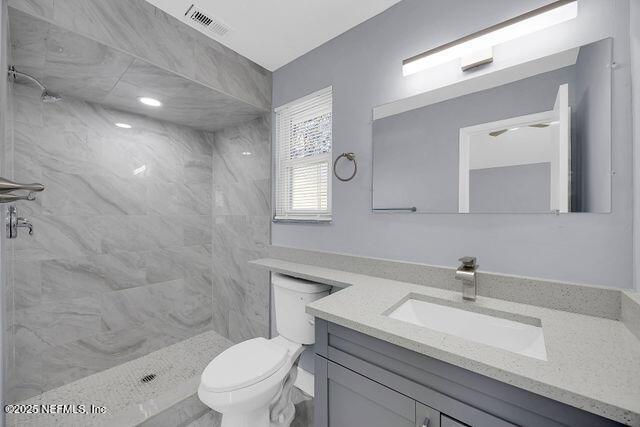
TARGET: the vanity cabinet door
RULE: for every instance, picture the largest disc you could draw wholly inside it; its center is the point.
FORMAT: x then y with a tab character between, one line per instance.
426	416
354	400
450	422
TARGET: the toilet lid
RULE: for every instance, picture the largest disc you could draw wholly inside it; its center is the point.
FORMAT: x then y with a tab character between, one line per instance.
243	365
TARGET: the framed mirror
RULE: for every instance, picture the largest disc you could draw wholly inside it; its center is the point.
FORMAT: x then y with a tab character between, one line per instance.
536	139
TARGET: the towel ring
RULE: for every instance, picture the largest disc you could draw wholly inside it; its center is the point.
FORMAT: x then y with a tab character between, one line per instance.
348	156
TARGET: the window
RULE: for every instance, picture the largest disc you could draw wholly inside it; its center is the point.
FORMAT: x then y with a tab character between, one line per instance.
303	158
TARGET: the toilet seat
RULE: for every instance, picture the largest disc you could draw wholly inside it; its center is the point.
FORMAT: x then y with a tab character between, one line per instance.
248	402
249	380
243	365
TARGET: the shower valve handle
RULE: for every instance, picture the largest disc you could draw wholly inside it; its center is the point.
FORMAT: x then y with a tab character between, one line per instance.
14	222
21	222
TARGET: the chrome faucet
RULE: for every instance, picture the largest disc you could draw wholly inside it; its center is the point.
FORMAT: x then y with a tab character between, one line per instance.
467	273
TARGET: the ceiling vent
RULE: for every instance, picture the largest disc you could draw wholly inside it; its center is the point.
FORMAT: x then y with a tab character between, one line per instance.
203	19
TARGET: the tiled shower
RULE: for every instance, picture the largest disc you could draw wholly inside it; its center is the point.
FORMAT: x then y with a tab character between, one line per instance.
142	236
120	263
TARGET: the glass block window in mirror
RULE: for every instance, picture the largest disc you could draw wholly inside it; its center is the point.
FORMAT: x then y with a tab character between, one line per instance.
303	158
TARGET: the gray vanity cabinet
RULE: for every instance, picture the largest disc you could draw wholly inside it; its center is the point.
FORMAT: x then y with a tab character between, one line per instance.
354	400
357	401
426	416
450	422
361	381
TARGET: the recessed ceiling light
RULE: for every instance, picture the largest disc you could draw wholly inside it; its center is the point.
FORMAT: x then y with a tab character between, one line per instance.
139	170
124	125
150	101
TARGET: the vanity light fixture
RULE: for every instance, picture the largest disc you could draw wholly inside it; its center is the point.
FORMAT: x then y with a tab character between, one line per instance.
246	153
124	125
477	48
152	102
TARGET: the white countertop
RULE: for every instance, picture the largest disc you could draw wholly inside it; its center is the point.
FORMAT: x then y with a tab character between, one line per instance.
593	363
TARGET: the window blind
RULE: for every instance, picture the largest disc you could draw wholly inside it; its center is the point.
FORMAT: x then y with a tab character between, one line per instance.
303	158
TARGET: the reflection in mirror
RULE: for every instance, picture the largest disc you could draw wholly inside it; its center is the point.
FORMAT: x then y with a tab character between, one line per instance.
519	164
536	145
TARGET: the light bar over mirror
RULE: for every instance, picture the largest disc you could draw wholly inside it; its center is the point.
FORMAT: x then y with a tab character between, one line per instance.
476	49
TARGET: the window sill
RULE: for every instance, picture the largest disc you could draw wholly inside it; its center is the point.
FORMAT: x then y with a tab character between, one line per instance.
301	221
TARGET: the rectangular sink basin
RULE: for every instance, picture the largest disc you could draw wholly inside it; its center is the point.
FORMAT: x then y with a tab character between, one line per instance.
521	337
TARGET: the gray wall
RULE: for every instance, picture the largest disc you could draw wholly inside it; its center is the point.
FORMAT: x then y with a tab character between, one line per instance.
520	188
634	17
119	265
592	125
363	65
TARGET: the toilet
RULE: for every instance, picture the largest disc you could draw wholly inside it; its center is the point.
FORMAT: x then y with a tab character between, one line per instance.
244	381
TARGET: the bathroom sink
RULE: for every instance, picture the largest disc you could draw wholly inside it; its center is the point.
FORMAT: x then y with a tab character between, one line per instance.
523	336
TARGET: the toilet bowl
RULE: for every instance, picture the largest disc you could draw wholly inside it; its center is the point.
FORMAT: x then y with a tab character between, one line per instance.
244	381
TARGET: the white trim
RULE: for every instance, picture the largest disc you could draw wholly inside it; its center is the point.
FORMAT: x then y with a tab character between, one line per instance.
563	112
463	180
304	381
287	117
305	98
479	83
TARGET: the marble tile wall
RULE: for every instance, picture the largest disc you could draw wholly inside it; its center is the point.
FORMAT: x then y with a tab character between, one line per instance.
70	64
124	263
5	134
241	229
140	29
120	262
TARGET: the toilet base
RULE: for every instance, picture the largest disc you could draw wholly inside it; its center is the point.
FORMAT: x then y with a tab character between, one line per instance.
282	406
257	418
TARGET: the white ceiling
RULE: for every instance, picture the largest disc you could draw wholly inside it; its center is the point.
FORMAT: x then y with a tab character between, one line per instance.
273	33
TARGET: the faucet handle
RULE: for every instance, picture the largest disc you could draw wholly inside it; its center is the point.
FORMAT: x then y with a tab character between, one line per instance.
21	222
468	261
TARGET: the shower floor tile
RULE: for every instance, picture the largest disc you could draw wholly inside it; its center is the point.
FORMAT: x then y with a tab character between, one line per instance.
173	374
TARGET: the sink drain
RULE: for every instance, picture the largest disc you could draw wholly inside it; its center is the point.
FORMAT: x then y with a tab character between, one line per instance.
148	378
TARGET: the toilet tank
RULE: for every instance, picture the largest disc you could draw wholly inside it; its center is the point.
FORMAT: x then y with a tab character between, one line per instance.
291	295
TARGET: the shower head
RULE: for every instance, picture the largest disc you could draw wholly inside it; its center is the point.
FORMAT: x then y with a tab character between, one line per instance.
49	98
45	96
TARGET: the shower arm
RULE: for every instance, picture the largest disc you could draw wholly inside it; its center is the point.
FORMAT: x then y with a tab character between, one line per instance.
7	186
12	70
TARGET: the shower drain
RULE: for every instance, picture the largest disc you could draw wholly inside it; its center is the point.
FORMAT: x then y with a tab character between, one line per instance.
148	378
